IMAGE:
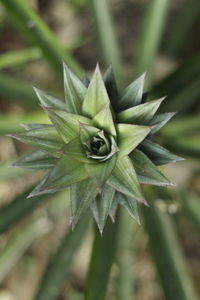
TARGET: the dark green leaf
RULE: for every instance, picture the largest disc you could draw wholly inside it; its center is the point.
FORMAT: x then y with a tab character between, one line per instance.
160	120
146	171
111	86
158	155
130	204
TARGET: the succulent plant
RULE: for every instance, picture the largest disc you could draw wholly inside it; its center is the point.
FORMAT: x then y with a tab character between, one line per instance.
100	144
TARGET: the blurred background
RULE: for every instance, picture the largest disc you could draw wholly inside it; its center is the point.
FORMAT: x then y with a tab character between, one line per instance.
40	258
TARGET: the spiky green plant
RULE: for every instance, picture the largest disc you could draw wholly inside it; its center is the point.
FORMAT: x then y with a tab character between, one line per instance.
100	144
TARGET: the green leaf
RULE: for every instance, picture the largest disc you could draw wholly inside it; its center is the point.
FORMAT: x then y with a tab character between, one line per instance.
82	195
130	136
49	101
100	171
75	149
87	132
96	96
101	206
46	139
140	114
123	178
157	154
67	124
37	160
160	120
113	210
130	204
146	171
75	91
104	120
66	172
111	86
31	126
132	95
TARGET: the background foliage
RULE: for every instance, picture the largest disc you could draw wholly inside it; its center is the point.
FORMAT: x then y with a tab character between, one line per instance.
40	257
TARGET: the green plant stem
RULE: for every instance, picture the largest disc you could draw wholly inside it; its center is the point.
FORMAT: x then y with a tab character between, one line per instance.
107	37
37	32
59	266
150	35
19	242
167	254
125	257
188	14
103	253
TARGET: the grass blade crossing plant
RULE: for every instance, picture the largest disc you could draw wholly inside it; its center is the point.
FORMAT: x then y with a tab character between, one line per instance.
37	32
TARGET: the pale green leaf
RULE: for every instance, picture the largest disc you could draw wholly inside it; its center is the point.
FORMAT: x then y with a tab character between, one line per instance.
82	195
87	132
130	136
46	139
132	95
67	124
140	114
101	206
104	120
66	172
113	210
75	149
157	154
160	120
75	91
100	171
48	100
124	179
130	204
37	160
31	126
96	96
146	171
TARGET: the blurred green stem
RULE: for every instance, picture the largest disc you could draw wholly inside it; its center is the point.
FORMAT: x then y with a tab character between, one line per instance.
103	253
167	254
125	257
59	266
37	32
150	36
110	50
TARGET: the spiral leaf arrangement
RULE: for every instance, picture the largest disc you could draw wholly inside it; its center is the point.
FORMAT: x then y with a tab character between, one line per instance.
99	144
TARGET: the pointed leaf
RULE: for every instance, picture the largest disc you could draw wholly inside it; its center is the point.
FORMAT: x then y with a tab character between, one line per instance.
96	97
100	171
130	136
31	126
111	86
101	206
48	100
36	160
66	172
146	171
124	179
132	95
140	114
46	139
160	120
104	120
113	209
130	204
157	154
75	149
87	131
75	91
67	124
82	195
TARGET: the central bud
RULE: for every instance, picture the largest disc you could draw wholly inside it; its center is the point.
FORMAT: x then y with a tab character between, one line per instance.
100	146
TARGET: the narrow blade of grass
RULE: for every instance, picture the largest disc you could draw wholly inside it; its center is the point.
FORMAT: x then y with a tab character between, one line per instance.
59	266
37	32
19	242
107	37
150	36
102	256
179	34
167	254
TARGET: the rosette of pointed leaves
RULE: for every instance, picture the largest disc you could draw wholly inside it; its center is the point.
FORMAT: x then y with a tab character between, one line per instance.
99	144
